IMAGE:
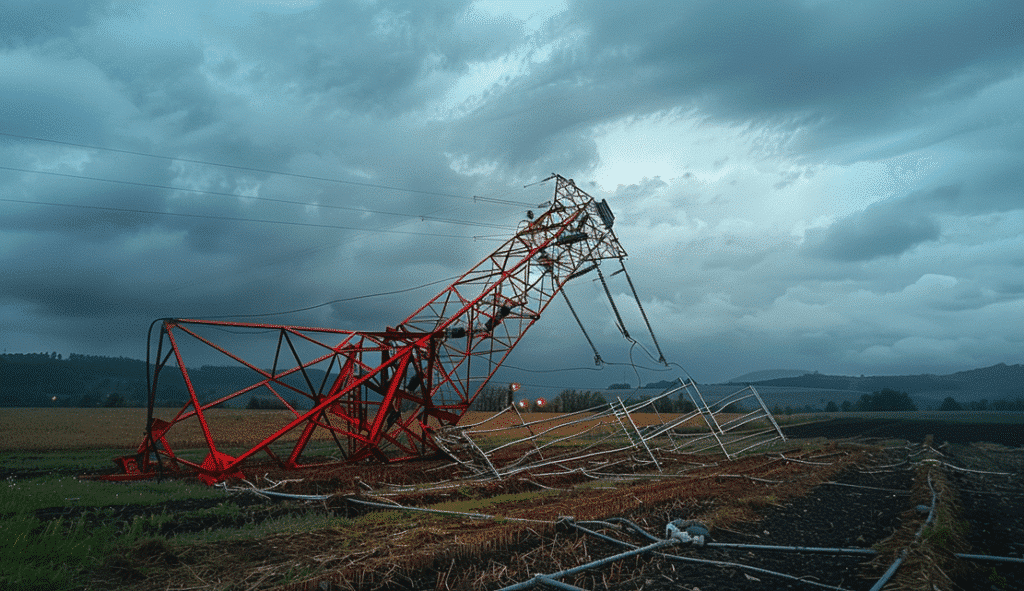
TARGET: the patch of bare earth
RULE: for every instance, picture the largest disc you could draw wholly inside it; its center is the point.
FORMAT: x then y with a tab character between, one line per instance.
413	550
856	493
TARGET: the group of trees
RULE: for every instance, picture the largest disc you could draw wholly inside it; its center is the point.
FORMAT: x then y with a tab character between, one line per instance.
885	400
494	398
892	400
575	400
1003	404
999	381
51	379
491	399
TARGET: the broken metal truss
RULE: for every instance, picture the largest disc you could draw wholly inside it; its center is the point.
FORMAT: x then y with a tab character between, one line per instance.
566	442
380	395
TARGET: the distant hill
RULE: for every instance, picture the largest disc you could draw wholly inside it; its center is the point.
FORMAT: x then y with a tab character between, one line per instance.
991	383
768	374
46	379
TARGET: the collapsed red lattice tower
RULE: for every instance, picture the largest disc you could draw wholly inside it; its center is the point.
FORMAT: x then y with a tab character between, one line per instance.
379	395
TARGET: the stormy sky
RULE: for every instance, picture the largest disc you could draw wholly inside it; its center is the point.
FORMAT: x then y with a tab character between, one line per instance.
817	184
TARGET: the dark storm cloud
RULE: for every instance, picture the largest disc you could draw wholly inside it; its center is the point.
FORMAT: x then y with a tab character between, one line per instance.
891	227
841	68
875	233
797	57
26	21
885	228
222	109
383	58
67	97
757	242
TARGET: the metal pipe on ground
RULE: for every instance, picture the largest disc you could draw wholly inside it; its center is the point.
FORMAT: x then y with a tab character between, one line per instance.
549	578
985	558
809	549
691	560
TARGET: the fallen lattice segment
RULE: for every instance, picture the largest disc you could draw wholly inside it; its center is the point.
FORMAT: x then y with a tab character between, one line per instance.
379	395
610	430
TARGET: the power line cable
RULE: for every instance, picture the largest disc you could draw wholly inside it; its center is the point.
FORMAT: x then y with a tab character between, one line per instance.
430	217
348	299
227	218
256	198
314	250
255	169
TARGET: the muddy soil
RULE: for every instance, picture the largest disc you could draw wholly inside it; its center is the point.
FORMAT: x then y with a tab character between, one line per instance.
859	493
1008	434
856	508
861	507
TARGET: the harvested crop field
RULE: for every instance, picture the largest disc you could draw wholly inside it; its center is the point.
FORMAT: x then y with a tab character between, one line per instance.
123	428
364	526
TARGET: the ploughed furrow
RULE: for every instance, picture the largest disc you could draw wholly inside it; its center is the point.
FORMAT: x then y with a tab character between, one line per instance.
855	509
843	514
990	489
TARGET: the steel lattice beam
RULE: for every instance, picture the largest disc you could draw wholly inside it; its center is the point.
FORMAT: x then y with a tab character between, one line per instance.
382	394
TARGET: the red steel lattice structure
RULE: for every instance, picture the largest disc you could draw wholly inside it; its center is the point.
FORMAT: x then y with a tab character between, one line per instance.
380	395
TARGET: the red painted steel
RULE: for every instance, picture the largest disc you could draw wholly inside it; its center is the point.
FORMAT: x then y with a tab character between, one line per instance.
376	395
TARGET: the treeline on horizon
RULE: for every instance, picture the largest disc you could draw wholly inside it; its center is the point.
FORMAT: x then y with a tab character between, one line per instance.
52	380
495	398
1000	380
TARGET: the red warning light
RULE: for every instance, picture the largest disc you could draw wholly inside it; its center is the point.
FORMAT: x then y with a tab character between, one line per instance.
540	402
524	403
514	386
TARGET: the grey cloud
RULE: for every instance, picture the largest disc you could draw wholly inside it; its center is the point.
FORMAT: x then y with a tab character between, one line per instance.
62	277
838	67
343	91
546	119
995	186
53	96
95	210
26	21
380	58
884	229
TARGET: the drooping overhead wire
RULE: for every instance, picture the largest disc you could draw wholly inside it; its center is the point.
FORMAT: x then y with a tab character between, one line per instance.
236	167
604	365
593	368
225	218
492	199
361	210
150	212
261	170
339	300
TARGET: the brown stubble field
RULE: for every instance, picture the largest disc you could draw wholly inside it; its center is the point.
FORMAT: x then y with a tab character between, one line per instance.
855	492
44	429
